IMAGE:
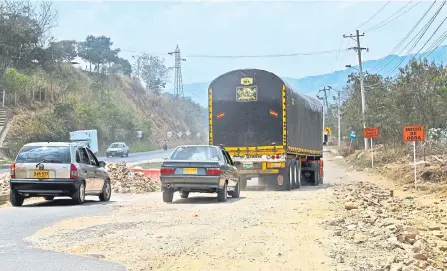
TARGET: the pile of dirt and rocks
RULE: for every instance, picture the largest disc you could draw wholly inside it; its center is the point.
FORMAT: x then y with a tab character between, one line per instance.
385	232
125	181
4	184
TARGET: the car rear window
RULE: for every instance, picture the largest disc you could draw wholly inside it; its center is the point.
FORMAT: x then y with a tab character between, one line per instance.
196	153
44	154
115	145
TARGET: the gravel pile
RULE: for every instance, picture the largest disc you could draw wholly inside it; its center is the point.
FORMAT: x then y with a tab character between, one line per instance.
124	181
4	183
387	233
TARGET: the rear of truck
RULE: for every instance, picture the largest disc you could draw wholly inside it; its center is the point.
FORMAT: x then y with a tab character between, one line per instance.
246	116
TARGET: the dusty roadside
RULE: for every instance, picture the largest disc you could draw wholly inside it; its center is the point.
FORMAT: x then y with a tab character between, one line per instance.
306	229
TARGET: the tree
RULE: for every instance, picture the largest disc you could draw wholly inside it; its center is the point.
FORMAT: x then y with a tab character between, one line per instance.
121	65
62	51
97	51
23	26
154	72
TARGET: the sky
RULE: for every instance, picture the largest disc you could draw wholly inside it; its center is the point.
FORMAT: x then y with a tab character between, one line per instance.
233	28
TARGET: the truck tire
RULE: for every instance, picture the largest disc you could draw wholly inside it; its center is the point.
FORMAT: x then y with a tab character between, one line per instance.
184	194
288	178
222	194
243	182
168	195
298	174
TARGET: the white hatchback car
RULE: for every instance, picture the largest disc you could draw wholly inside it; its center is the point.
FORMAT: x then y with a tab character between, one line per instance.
51	169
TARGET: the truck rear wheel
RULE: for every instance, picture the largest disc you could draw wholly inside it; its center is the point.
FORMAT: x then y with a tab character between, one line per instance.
297	174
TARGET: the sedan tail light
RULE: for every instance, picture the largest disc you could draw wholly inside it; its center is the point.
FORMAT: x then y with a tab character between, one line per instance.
213	171
12	171
166	171
74	174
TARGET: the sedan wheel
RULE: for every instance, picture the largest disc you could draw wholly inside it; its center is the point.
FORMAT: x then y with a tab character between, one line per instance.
106	192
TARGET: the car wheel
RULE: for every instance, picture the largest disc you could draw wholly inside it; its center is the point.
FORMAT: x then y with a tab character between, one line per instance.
16	199
222	194
48	198
168	195
127	154
79	195
184	194
237	190
106	191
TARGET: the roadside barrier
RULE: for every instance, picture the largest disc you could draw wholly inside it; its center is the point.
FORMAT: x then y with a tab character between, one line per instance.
153	173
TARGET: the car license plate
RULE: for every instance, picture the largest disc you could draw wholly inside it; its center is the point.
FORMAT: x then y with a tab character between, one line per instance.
190	171
41	174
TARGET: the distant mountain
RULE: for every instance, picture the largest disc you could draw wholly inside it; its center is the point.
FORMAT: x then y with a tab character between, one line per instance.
311	84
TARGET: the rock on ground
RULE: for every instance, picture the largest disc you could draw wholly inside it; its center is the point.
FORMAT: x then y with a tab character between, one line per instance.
4	183
378	225
124	181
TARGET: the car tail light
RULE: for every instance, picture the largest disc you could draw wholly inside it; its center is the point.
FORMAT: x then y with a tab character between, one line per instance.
213	171
166	171
12	171
74	174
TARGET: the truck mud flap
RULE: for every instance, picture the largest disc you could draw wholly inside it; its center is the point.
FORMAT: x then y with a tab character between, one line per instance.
285	179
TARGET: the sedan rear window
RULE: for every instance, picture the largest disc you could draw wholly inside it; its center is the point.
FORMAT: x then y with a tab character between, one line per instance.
196	153
44	154
115	145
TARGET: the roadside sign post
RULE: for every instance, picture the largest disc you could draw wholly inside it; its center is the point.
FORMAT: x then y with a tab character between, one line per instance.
414	134
352	136
371	132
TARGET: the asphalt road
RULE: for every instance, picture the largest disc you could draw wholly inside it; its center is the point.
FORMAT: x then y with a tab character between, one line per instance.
140	156
18	223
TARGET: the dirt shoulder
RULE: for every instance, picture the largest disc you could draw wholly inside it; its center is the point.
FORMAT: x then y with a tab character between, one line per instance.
306	229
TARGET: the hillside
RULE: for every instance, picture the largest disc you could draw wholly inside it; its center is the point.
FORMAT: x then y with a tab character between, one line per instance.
116	105
311	84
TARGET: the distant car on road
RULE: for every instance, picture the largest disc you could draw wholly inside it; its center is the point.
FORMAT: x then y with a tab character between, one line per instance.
199	168
48	170
117	149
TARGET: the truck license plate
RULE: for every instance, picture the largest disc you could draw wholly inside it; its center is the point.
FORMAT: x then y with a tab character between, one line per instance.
248	165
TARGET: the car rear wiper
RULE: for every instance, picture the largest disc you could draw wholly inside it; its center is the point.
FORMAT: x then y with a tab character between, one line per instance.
48	161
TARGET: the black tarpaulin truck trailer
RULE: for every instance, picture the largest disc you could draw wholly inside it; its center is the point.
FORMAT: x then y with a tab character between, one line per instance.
271	130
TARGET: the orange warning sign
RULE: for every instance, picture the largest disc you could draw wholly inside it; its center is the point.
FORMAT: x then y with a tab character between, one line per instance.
371	132
413	133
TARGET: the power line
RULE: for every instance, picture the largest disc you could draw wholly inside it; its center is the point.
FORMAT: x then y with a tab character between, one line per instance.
387	60
267	56
374	15
385	22
435	45
434	32
421	34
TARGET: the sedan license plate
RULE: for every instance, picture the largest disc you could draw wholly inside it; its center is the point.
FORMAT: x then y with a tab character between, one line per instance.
41	174
190	171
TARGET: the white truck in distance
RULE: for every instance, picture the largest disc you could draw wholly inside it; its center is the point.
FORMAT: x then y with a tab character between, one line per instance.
87	137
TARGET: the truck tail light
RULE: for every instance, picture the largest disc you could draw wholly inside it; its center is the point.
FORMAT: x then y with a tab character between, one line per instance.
12	171
166	171
74	174
213	171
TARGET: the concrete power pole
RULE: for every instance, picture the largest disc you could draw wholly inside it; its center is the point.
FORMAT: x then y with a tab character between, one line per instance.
325	105
338	114
362	90
178	83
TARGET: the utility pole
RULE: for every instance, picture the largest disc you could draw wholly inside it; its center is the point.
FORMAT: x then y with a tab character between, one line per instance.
362	90
325	104
178	83
338	114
